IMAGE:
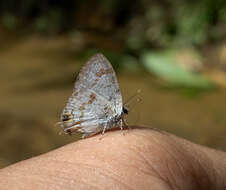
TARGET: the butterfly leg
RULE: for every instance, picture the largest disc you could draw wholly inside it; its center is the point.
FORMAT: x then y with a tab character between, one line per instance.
104	129
125	122
121	124
102	134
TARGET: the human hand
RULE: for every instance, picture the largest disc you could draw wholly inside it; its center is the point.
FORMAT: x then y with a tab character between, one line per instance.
141	159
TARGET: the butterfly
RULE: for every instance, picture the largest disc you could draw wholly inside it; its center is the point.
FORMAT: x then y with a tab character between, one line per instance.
96	102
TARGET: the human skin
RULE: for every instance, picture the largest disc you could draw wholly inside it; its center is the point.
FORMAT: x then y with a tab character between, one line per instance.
138	158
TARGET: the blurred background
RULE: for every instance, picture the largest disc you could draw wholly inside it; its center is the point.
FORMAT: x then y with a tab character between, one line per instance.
174	51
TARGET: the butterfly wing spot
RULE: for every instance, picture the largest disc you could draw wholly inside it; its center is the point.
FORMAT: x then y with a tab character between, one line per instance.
105	108
82	107
72	127
68	131
67	117
95	82
92	98
117	90
77	123
72	130
75	93
104	72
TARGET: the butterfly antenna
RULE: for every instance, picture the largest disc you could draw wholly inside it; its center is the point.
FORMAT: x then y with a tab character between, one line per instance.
138	118
132	98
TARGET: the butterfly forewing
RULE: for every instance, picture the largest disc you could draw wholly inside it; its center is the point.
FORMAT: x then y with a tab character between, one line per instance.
97	74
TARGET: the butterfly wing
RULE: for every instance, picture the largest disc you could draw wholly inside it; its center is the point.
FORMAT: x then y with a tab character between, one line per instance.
95	99
98	75
89	112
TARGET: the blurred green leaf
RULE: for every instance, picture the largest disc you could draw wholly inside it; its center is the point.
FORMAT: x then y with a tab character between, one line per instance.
162	64
49	23
41	24
192	24
9	21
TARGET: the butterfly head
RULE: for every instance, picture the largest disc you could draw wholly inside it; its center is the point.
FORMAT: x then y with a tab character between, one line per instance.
125	110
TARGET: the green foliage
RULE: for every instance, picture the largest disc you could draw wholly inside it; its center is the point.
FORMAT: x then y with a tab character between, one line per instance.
142	24
9	21
192	25
177	23
163	65
48	23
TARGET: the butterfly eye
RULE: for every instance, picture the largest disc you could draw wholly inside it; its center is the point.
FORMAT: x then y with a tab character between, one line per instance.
125	110
66	117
